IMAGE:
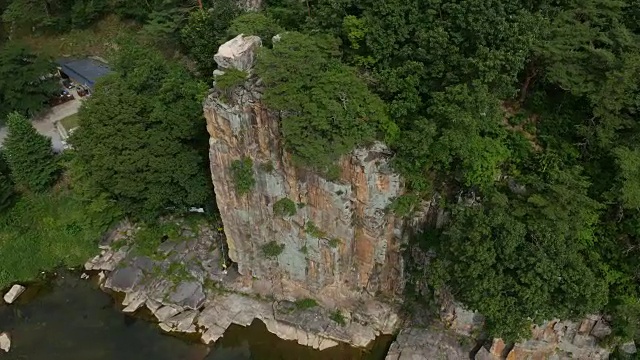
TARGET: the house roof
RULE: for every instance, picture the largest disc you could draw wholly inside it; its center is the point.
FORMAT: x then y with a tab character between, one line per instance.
84	71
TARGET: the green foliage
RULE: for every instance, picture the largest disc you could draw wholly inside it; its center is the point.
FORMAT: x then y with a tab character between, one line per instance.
253	23
29	155
284	207
141	138
404	204
242	172
304	304
24	86
313	230
327	110
153	234
335	242
629	163
205	31
517	257
7	192
231	79
272	249
338	318
44	231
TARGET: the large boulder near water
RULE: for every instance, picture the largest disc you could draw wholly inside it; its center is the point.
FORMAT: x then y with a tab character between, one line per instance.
13	293
5	342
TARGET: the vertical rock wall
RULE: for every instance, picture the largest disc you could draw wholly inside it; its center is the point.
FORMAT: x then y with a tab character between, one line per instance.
356	248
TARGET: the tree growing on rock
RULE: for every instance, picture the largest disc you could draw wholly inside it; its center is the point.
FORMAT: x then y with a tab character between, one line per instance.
29	155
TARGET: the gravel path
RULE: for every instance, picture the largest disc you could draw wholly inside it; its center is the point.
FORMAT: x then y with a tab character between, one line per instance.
45	124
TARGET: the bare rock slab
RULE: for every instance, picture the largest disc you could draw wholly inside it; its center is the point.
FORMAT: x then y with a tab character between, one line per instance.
5	342
13	293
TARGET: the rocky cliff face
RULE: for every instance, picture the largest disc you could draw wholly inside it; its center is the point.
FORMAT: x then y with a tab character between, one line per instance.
341	243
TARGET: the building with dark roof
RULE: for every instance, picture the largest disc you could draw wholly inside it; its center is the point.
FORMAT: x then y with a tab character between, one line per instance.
83	71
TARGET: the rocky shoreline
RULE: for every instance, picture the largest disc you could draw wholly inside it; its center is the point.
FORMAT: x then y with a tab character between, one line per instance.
188	289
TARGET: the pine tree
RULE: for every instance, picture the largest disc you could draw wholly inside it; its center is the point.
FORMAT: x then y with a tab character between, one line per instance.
6	192
29	154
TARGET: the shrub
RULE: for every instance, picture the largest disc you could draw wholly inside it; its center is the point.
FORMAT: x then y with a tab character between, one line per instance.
267	167
313	230
272	249
404	204
242	173
284	207
231	79
303	304
335	242
338	318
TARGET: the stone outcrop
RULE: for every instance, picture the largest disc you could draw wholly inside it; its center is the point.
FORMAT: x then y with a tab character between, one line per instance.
5	342
13	293
553	340
435	342
186	286
341	246
565	340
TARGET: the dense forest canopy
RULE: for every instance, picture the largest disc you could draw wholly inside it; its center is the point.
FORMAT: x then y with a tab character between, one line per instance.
521	116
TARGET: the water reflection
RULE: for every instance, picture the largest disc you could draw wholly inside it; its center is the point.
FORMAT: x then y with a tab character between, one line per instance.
71	319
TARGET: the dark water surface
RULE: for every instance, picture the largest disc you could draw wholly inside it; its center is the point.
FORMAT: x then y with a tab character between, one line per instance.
71	319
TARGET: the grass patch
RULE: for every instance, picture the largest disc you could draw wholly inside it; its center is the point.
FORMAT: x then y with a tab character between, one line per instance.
304	304
284	207
44	231
97	40
152	235
70	122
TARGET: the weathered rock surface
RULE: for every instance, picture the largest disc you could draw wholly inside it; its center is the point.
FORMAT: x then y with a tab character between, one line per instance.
5	342
185	286
349	212
554	340
564	340
238	53
428	344
628	348
13	293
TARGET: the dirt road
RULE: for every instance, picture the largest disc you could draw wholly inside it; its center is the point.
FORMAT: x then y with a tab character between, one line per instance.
45	124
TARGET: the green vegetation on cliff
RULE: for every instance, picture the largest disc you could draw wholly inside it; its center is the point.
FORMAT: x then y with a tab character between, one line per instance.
521	116
327	110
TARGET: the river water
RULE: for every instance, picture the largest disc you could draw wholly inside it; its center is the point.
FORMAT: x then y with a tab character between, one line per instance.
72	319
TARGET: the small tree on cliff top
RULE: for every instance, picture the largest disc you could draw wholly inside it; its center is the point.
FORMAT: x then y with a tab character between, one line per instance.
328	109
29	154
